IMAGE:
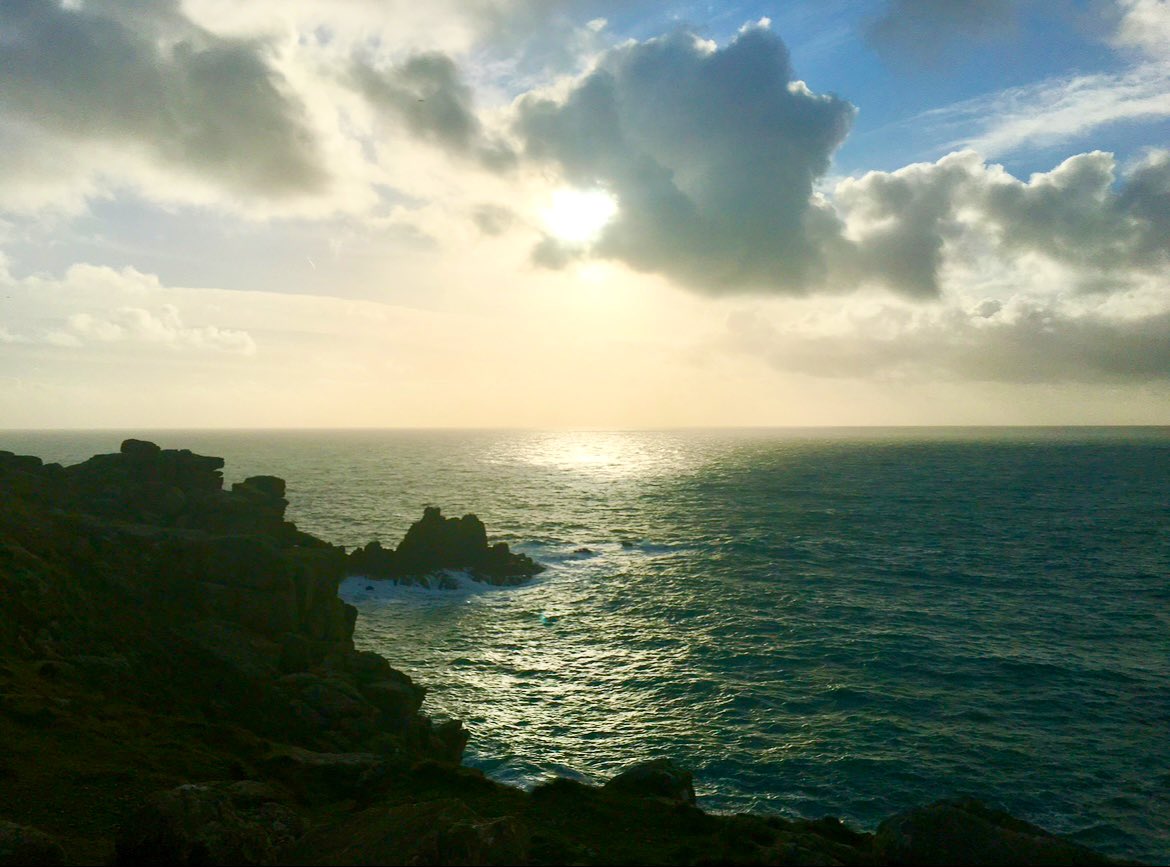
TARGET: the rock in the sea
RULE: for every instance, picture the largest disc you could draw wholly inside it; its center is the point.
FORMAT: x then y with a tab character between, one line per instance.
657	778
211	823
373	561
967	832
20	844
435	543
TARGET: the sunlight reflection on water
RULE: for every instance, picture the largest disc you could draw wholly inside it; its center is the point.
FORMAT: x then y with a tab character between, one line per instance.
621	454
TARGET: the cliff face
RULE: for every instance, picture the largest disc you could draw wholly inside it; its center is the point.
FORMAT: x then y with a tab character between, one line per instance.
178	684
139	569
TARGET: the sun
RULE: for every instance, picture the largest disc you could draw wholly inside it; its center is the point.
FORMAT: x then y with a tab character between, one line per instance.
578	216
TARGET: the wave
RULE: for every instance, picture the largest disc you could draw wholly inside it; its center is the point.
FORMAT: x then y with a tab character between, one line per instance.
446	583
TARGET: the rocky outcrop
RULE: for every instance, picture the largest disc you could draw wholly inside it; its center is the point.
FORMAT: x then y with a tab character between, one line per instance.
434	544
179	684
211	601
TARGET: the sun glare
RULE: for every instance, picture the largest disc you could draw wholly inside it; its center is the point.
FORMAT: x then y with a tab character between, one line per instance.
578	216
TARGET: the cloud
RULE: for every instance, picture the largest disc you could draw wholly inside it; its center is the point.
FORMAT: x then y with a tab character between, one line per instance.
1144	25
146	78
427	94
1054	110
75	311
493	219
1026	340
922	30
142	326
903	228
711	153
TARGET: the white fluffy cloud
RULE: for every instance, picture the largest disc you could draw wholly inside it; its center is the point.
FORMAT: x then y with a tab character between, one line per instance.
1145	25
903	227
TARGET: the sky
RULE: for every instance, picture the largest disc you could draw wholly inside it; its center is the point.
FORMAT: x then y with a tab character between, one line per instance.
583	213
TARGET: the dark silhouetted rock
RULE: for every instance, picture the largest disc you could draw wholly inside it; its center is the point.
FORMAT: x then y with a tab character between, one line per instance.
659	778
20	844
373	561
19	463
138	572
966	832
268	486
140	449
433	544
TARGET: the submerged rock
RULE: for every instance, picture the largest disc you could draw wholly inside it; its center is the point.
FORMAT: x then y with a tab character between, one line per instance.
433	544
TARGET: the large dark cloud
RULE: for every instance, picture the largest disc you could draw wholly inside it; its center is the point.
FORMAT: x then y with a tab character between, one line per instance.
143	76
428	95
712	154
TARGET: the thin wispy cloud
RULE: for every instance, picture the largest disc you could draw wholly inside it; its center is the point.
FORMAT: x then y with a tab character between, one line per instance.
1052	111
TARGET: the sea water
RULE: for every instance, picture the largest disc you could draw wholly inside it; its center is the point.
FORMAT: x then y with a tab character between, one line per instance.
845	622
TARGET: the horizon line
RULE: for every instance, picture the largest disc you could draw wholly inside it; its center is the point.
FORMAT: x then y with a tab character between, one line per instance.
584	429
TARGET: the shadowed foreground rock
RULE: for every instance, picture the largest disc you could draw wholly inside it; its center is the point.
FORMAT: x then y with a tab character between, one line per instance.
179	685
210	823
968	832
22	845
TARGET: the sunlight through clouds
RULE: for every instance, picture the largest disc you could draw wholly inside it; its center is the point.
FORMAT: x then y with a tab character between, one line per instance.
579	216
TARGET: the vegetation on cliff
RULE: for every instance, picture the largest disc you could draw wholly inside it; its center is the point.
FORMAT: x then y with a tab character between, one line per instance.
179	684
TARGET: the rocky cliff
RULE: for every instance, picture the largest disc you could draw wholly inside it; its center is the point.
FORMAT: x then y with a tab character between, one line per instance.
178	684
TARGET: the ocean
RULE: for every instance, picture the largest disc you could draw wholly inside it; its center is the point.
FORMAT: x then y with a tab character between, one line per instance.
840	621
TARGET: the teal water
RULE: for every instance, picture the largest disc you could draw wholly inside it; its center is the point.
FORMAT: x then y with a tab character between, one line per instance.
845	622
